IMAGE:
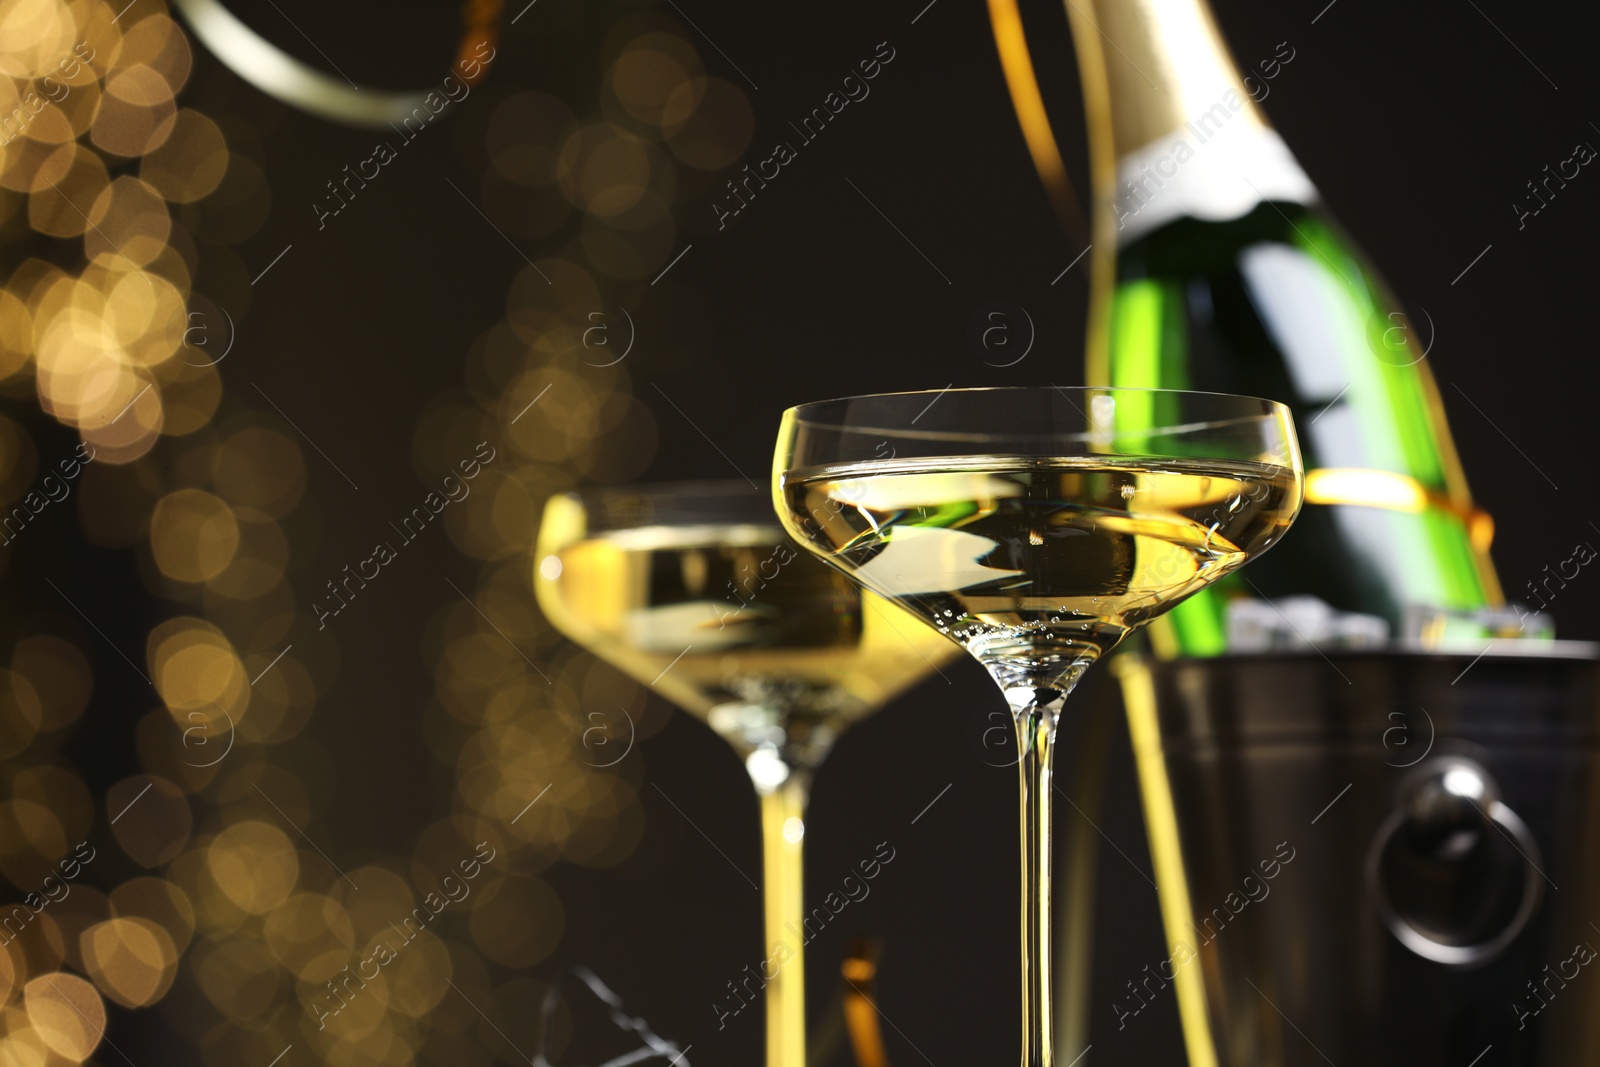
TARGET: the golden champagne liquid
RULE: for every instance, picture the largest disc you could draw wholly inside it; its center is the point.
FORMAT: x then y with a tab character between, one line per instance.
740	627
1009	554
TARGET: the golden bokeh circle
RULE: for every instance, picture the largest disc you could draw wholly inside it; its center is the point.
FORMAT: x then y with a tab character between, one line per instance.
136	113
713	130
193	535
649	73
190	162
64	189
132	961
254	864
67	1014
129	223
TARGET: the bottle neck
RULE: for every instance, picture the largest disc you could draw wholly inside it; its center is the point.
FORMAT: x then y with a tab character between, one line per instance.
1173	128
1166	66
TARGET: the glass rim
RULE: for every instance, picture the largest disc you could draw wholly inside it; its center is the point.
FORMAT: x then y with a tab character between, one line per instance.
1269	410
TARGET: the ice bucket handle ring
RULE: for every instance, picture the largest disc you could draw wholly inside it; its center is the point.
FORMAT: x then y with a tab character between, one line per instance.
1450	800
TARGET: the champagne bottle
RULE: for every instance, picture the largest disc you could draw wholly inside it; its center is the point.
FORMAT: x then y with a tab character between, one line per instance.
1216	268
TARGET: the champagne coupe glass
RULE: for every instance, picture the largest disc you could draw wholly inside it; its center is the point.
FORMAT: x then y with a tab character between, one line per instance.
695	590
1037	527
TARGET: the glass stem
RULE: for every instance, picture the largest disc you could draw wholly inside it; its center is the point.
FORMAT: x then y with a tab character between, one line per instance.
782	833
1036	733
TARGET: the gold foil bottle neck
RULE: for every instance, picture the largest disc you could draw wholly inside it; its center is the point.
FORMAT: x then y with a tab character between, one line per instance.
1165	65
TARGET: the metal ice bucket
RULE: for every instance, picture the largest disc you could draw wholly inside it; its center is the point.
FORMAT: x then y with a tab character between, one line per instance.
1377	858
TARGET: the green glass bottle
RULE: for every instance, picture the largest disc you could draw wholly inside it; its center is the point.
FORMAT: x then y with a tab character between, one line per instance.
1217	268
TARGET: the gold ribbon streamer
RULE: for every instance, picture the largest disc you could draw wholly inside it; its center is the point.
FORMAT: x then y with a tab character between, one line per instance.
300	85
1028	102
1396	492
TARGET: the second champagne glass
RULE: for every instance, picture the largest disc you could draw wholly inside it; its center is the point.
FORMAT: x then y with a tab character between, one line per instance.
695	590
1037	527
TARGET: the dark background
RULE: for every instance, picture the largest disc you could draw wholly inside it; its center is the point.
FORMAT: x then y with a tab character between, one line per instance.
1419	122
